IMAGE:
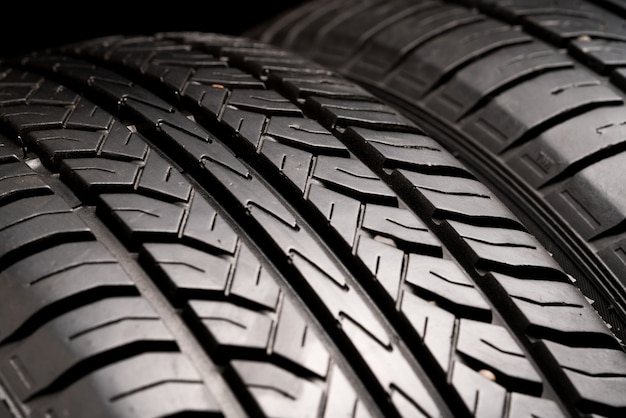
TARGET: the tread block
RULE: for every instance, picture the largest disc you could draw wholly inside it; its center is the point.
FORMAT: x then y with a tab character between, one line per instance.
226	77
598	375
294	341
352	177
29	221
252	280
277	390
328	202
291	162
357	27
482	397
554	307
17	89
384	262
591	361
464	197
18	179
494	348
57	144
423	68
149	384
172	76
22	118
342	399
507	249
582	201
121	143
267	102
434	325
402	226
390	44
342	112
506	118
524	406
324	85
9	151
602	55
160	178
91	174
416	152
211	98
248	125
187	268
48	93
553	153
447	284
206	226
76	339
45	279
306	134
139	215
483	78
88	116
232	326
562	25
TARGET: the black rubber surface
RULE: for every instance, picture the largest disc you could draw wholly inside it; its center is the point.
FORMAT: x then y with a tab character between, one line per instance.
530	94
200	224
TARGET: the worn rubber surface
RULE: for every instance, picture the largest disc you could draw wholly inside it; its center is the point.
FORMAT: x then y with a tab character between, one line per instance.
195	224
529	93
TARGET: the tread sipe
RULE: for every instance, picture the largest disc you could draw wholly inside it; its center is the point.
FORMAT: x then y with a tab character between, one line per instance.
529	95
196	224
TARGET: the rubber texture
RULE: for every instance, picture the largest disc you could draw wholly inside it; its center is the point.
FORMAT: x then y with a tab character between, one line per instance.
528	94
196	224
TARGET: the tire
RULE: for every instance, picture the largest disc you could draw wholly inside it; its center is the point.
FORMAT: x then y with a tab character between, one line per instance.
196	224
529	96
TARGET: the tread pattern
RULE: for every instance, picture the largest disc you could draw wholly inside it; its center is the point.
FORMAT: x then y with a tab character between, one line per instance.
567	58
309	256
68	293
333	258
198	257
345	179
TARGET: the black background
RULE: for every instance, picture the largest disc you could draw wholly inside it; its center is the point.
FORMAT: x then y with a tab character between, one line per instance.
26	27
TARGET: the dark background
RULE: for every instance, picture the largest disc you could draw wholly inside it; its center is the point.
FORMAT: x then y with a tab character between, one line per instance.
25	26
